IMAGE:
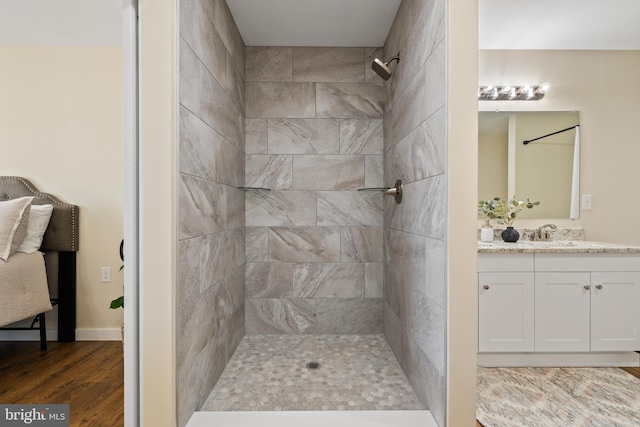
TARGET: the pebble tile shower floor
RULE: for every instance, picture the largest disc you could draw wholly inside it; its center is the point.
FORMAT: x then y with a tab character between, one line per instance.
269	373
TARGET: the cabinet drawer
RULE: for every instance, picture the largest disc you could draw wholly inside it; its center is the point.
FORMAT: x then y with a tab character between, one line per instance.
586	262
505	262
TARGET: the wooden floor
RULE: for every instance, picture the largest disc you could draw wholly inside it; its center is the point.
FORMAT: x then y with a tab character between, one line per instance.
89	376
633	371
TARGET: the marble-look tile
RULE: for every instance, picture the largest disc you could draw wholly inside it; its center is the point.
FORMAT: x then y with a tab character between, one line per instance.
348	316
361	244
269	280
280	100
373	280
236	318
328	64
393	331
361	136
423	209
202	206
399	30
404	267
435	284
279	316
424	36
426	326
196	315
224	24
374	171
255	139
234	83
422	97
280	208
370	53
206	260
420	154
304	136
199	33
268	64
328	280
349	100
350	208
201	94
328	172
206	154
304	244
257	244
235	203
269	171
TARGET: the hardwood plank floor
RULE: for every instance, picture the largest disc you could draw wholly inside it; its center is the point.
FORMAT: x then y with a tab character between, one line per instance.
635	371
89	376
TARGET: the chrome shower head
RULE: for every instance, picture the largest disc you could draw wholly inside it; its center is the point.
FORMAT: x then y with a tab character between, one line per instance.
382	68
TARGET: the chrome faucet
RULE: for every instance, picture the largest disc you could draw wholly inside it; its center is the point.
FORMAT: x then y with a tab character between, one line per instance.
544	232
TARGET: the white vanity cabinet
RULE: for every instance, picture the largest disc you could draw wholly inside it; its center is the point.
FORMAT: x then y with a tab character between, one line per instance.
557	308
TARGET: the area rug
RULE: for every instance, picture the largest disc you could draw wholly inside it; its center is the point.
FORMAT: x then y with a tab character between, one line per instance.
557	397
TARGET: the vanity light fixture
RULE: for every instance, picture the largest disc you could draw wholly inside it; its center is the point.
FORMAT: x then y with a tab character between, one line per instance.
512	93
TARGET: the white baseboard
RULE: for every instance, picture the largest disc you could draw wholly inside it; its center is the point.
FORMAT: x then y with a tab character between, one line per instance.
512	360
106	334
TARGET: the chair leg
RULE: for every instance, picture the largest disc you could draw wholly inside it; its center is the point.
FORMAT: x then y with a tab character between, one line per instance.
43	332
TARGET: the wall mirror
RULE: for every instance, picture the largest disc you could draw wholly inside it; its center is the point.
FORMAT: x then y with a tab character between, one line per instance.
545	170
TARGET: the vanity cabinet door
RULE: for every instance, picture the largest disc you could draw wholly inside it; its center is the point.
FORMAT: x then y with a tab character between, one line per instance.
562	311
615	311
505	312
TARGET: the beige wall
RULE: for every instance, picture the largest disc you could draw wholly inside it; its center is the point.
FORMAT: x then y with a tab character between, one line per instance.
61	128
604	86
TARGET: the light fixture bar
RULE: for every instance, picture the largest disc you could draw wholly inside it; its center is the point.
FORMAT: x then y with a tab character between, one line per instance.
512	93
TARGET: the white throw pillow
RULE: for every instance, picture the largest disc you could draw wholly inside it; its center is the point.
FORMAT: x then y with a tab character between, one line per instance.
38	222
14	219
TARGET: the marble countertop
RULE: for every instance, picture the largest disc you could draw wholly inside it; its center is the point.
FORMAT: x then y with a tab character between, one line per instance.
555	246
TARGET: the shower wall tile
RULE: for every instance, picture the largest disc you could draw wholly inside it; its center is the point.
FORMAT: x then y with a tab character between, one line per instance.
202	37
349	208
280	316
206	154
328	64
304	244
314	228
280	100
373	280
255	136
201	94
211	239
280	208
349	100
361	136
348	316
268	64
257	244
361	244
269	171
420	154
269	280
423	207
330	172
304	136
370	53
374	171
415	145
333	280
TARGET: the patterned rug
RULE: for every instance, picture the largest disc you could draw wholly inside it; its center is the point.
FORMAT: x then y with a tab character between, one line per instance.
558	397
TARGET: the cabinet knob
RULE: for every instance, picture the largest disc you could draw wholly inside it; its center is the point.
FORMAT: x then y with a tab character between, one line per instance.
485	287
587	287
598	287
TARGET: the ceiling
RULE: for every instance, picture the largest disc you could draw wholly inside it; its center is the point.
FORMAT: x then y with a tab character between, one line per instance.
504	24
362	23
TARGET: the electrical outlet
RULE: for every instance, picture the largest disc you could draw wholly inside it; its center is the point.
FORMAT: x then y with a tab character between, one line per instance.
105	274
586	202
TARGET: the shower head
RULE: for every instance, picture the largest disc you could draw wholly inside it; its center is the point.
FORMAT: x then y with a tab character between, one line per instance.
382	68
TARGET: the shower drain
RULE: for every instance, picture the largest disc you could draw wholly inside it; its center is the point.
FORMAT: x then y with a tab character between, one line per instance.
313	365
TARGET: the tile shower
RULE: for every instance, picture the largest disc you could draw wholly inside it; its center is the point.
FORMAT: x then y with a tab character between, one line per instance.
312	256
